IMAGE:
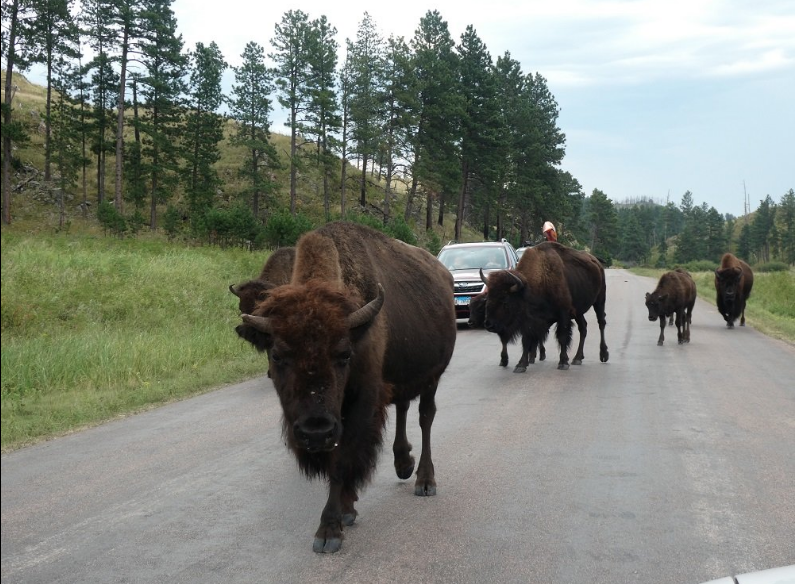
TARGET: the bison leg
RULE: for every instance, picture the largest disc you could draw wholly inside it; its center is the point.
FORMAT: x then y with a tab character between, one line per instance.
425	486
670	320
349	513
328	537
661	338
582	327
563	333
529	343
599	309
504	352
680	333
401	448
742	314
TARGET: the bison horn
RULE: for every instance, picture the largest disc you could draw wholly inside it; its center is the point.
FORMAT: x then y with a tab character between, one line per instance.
367	312
260	323
233	291
519	281
483	277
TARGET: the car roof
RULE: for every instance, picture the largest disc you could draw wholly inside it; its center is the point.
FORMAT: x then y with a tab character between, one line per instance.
478	244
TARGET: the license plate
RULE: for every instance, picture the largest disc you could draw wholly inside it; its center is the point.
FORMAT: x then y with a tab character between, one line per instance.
461	300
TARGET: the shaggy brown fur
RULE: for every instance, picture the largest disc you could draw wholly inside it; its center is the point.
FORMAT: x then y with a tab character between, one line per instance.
278	270
734	280
552	284
477	319
675	295
335	374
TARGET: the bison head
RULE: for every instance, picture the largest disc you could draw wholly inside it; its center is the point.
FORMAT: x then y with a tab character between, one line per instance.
477	310
727	282
313	334
250	294
656	304
506	290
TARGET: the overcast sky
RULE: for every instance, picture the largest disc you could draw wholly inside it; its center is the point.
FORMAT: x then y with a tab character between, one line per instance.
656	97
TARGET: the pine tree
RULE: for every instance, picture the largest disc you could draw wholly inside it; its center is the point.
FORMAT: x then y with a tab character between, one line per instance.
292	75
482	144
366	62
786	218
436	163
161	87
16	47
250	107
603	225
322	120
55	34
204	129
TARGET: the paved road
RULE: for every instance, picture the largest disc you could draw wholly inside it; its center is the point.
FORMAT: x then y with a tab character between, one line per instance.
668	464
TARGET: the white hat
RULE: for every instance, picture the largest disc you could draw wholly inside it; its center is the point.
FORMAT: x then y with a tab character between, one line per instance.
547	226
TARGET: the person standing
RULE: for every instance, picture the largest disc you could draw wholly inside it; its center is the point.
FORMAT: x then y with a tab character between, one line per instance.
549	231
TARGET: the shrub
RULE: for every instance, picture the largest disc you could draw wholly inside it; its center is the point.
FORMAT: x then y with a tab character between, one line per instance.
284	229
111	220
771	267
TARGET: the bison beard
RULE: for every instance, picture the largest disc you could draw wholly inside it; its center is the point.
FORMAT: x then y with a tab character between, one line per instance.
675	294
552	284
365	322
734	280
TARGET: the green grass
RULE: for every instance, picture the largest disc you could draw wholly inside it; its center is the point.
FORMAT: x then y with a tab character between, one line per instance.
770	308
95	328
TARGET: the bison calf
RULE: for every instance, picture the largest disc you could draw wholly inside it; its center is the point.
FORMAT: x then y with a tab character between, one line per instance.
675	295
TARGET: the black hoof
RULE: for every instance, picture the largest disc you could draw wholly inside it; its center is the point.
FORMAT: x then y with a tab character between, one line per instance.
424	490
519	369
349	518
563	366
405	471
327	546
577	362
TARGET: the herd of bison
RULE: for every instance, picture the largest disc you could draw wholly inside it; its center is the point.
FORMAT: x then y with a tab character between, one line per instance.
353	321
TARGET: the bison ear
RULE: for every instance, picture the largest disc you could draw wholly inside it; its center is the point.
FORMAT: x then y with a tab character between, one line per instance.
647	296
259	339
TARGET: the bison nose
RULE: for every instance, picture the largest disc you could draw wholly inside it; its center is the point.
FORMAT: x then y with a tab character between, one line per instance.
317	433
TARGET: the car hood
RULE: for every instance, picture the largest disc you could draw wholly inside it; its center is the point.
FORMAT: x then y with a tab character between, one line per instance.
471	274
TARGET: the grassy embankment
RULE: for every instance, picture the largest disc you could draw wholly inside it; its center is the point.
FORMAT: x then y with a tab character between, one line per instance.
771	307
94	328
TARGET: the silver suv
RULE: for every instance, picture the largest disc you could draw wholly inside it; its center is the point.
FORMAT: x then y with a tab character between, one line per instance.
465	260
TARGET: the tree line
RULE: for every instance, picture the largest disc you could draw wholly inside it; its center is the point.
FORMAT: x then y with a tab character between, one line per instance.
458	132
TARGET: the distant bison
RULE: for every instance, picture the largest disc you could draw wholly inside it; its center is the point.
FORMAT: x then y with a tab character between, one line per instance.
278	270
675	295
477	319
733	282
366	321
552	284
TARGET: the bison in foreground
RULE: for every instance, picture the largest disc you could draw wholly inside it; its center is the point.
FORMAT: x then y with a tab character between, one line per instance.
477	319
675	295
552	284
278	270
365	322
733	282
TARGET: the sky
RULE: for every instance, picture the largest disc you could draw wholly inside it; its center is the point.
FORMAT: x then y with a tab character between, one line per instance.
656	97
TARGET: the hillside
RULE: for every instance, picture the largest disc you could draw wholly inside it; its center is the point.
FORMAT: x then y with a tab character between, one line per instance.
34	204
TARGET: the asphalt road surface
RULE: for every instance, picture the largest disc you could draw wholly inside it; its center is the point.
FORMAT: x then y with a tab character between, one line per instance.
671	464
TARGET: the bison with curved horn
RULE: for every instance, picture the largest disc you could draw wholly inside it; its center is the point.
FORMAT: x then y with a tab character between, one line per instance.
675	295
366	321
552	284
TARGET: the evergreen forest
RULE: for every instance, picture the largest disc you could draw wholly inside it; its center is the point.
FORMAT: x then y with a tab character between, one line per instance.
428	138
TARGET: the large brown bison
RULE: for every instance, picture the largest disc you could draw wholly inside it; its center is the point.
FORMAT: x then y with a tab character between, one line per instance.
675	295
477	319
278	270
733	282
366	321
552	284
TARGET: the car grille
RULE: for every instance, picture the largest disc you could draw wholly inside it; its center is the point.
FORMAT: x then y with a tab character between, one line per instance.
471	287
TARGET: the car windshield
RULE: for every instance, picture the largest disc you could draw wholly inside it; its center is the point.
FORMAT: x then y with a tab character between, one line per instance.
472	258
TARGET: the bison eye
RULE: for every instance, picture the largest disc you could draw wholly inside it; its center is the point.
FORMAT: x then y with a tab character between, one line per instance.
276	357
344	358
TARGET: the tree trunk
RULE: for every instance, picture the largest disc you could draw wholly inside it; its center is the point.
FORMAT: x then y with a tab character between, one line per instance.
9	97
118	198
